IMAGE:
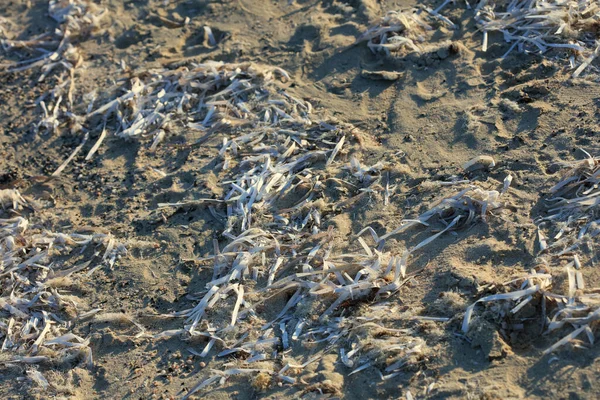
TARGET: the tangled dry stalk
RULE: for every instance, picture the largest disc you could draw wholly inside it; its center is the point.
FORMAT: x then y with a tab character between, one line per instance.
37	271
272	148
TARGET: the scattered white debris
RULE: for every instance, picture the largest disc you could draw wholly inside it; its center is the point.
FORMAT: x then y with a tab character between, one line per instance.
479	162
33	307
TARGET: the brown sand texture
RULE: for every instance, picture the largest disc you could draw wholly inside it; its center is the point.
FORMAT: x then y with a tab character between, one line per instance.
307	199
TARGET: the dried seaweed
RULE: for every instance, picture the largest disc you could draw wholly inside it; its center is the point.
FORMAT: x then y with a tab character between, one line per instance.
398	31
572	218
77	19
531	26
540	25
35	315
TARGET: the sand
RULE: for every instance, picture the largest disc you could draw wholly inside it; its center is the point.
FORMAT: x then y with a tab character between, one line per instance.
423	115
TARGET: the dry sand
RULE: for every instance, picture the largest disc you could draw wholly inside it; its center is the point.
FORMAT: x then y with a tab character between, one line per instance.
443	109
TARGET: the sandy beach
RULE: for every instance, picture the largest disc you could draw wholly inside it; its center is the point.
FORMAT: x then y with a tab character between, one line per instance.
299	199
